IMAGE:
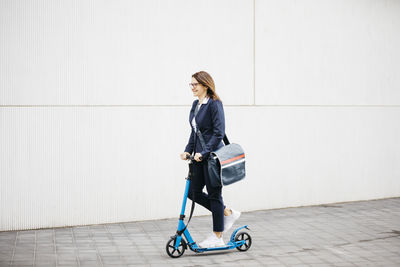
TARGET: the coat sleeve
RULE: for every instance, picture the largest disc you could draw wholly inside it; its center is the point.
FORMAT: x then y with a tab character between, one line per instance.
190	145
218	122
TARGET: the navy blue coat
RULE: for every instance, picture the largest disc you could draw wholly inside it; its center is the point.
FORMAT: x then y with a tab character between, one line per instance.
210	120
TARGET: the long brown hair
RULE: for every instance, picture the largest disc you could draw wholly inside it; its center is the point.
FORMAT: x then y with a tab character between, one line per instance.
206	80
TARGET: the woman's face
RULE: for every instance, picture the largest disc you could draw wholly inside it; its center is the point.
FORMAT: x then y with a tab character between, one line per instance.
198	89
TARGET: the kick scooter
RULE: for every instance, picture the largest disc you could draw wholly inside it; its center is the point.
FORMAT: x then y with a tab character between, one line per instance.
177	244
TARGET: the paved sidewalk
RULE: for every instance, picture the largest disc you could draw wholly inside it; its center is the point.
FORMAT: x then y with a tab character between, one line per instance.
365	233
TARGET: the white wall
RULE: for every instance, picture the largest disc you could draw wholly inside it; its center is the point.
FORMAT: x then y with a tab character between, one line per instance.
94	104
330	52
123	52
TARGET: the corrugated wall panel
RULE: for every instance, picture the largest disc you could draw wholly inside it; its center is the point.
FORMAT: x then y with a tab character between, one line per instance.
123	52
71	166
337	52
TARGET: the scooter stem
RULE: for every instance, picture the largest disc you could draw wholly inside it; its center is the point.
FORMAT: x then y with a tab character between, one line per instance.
185	196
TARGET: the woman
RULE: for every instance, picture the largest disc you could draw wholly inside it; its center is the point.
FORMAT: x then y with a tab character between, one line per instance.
207	115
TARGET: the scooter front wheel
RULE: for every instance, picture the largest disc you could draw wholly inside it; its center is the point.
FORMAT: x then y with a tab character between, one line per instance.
247	241
172	251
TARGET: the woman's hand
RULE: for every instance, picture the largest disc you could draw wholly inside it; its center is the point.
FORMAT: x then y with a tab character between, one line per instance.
184	155
198	157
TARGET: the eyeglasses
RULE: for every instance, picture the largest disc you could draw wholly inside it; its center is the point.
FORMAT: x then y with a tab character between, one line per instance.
193	85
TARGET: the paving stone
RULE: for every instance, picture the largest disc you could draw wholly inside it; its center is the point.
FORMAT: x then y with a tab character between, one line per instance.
23	257
22	262
66	257
90	263
68	264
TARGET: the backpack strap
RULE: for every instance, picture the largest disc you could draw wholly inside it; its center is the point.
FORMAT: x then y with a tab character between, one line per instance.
203	144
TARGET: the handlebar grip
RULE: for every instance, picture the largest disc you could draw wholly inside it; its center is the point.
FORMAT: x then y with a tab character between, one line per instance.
192	157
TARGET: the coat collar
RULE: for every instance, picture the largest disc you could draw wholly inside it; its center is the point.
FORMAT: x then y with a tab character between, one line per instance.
205	100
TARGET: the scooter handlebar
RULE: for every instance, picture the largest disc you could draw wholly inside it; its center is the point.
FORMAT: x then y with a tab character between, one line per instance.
191	157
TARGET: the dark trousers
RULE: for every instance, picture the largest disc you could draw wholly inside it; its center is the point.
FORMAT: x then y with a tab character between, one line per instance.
211	201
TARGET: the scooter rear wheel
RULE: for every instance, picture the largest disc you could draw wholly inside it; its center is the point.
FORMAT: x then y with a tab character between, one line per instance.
247	241
170	248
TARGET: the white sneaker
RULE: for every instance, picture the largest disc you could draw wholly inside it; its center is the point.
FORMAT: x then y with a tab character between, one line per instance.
230	220
212	241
